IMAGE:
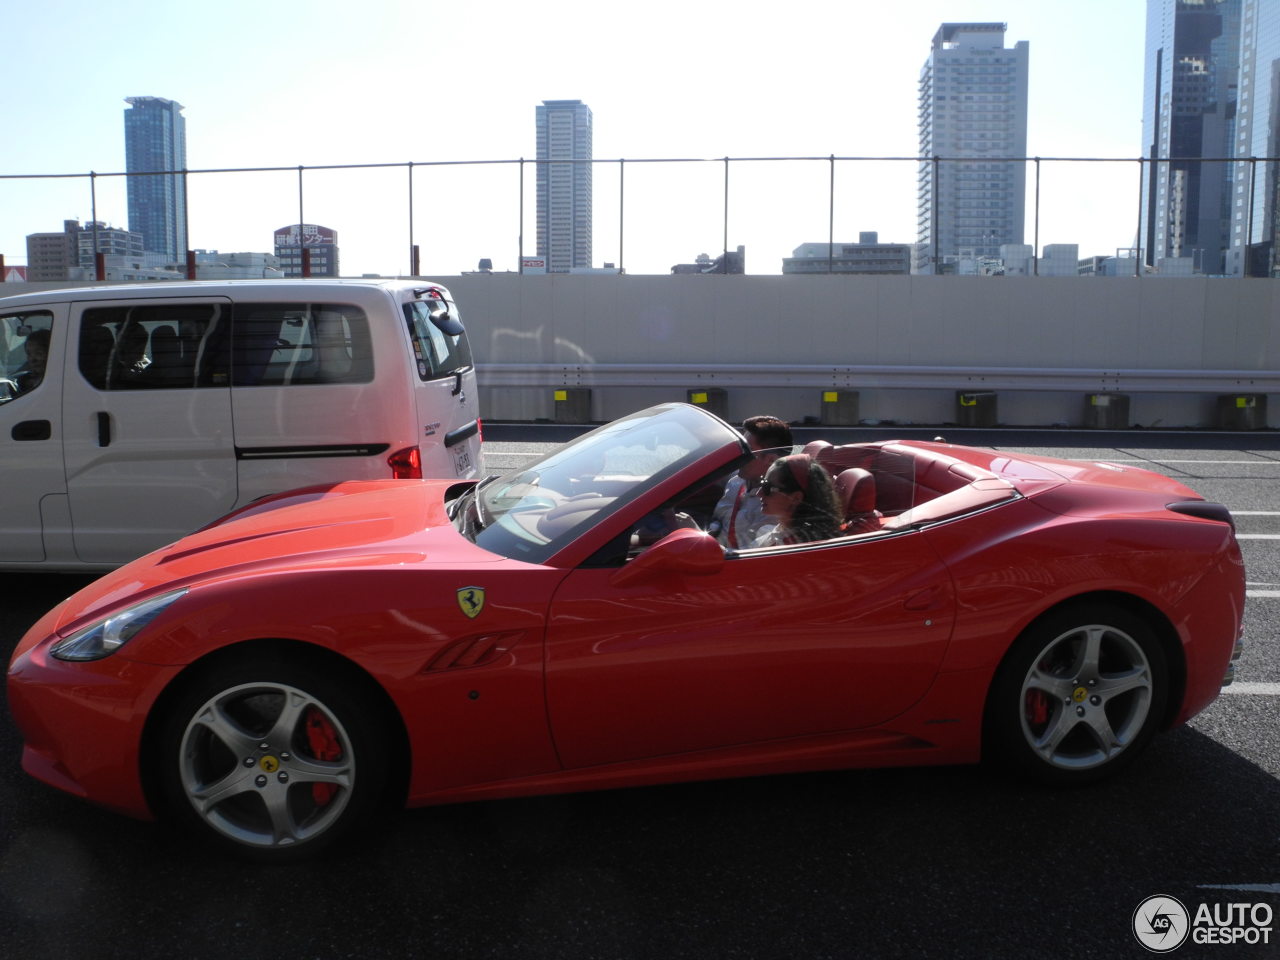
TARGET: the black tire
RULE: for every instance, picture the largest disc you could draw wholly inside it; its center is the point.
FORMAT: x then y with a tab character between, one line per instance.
1078	695
272	760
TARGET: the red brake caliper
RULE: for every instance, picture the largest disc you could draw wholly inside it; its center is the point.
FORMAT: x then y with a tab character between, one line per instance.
1037	708
324	744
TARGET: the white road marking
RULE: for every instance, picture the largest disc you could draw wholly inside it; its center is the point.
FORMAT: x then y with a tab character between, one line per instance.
1247	887
1269	460
1254	689
1258	536
1262	593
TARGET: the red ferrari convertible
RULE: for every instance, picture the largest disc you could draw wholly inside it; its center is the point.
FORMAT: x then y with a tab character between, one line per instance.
274	679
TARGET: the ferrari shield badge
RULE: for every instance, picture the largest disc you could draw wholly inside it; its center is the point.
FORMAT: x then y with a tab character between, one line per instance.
471	600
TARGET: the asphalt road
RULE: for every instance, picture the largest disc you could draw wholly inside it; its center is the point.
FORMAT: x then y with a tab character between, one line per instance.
952	862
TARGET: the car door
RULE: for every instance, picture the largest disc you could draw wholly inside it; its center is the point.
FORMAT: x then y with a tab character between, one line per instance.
150	454
30	426
788	642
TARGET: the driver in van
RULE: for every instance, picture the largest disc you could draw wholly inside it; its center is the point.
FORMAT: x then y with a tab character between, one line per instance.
32	374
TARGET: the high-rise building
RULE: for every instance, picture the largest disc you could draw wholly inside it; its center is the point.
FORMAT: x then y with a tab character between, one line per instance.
1255	203
320	243
155	142
973	119
564	187
69	255
1188	130
49	257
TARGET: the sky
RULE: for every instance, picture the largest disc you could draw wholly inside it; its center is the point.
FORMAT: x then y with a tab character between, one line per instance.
394	81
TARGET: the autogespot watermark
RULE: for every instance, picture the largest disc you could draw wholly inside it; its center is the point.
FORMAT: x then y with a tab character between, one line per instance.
1162	923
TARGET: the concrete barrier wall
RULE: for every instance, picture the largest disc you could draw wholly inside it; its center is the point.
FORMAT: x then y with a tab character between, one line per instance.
1100	324
963	332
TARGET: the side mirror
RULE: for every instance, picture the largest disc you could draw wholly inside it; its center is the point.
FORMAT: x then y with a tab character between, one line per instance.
686	552
443	318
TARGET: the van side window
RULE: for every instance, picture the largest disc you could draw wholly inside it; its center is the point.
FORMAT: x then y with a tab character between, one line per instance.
281	344
439	342
24	352
149	347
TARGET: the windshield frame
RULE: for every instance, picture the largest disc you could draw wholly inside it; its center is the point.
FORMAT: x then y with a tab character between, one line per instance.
564	515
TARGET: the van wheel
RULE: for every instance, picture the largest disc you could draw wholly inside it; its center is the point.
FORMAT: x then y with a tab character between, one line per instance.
1078	696
272	760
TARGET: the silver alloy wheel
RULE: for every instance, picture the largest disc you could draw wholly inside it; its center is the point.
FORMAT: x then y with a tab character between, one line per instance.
1086	697
266	765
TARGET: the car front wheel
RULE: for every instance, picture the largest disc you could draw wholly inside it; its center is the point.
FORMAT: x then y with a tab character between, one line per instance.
1078	695
274	760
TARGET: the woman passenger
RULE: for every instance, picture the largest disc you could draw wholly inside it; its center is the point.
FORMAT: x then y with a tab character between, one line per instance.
799	493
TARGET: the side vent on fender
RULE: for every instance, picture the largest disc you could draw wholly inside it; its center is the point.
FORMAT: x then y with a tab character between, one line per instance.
475	651
1204	509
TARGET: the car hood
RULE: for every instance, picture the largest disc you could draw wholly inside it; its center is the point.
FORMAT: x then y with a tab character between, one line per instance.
355	524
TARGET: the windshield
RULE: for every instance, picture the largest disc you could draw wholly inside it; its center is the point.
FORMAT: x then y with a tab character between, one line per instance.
531	514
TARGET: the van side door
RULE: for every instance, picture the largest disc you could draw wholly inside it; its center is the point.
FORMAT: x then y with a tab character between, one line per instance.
32	348
150	453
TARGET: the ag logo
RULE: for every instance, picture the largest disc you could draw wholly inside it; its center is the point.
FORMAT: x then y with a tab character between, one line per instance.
471	600
1161	923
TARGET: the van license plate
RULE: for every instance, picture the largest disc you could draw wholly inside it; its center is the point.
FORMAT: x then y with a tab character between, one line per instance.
462	460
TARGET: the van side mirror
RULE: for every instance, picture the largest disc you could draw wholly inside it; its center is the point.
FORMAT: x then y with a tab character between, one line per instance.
443	318
690	553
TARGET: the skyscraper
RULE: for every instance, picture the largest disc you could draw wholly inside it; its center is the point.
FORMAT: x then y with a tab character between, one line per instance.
155	139
1188	118
564	189
1256	185
973	118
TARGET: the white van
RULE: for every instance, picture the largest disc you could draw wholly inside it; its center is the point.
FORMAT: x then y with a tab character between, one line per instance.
132	415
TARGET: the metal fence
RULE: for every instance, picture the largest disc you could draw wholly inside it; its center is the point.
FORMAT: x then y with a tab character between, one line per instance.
731	196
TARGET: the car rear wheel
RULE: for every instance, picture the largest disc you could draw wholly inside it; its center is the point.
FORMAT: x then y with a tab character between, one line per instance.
1078	695
273	760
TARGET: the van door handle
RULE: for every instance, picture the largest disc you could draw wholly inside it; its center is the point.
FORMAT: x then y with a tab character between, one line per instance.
32	430
457	383
104	429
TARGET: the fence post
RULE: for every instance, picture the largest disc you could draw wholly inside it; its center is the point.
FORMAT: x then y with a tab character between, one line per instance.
1137	267
724	262
933	227
831	217
1035	252
413	250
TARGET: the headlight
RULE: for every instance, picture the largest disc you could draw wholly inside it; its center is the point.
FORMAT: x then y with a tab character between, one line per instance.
107	636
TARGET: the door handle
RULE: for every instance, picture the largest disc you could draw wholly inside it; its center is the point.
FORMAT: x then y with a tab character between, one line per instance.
926	599
104	429
32	430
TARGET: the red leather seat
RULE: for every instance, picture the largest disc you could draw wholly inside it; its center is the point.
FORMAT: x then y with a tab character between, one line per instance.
856	494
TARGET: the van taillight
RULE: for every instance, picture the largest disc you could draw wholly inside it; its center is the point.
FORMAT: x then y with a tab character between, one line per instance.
406	464
479	430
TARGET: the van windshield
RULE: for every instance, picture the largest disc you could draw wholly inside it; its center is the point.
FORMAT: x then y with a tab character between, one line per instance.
439	342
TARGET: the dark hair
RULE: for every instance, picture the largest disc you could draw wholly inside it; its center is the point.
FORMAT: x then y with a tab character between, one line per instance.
770	431
817	515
